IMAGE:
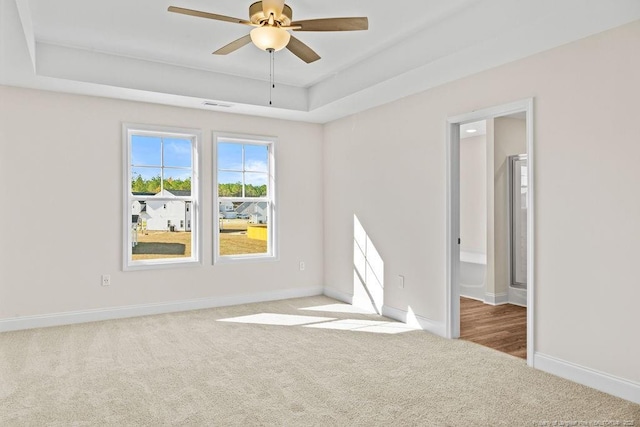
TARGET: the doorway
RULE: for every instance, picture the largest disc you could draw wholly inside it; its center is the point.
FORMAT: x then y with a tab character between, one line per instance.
523	109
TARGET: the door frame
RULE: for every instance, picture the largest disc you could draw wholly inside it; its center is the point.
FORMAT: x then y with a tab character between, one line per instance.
453	214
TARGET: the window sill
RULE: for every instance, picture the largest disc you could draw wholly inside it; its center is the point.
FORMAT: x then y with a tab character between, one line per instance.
243	259
161	264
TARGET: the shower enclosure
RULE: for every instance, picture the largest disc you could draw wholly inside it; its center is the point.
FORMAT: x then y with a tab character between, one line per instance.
518	220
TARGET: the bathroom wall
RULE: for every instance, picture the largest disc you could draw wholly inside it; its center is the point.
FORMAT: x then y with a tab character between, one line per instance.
473	194
510	138
484	211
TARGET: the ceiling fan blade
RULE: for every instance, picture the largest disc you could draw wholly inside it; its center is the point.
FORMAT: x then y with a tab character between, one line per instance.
208	15
272	6
234	45
302	51
332	24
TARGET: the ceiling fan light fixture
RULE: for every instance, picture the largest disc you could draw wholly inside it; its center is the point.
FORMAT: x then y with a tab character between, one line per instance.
268	37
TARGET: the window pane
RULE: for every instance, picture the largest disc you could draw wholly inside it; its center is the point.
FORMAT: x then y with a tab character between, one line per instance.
256	158
255	184
145	180
161	229
177	152
161	210
243	171
177	181
230	184
243	228
145	150
230	156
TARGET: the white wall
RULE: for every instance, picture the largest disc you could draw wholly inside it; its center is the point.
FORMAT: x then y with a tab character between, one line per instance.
587	228
509	138
473	194
61	163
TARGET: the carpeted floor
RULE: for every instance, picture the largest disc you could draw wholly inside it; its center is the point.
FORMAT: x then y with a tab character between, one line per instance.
342	370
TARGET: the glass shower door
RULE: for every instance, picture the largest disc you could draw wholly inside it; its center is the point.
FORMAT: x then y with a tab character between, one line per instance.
518	220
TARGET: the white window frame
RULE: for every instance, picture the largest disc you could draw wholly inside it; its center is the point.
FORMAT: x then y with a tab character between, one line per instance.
272	229
195	135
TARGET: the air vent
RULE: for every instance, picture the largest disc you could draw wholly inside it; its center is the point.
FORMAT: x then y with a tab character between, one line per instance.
216	104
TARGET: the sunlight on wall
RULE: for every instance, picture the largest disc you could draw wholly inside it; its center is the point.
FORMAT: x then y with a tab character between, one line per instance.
412	319
368	270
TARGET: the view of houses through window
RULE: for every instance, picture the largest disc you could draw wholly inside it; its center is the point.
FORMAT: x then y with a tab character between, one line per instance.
161	173
245	198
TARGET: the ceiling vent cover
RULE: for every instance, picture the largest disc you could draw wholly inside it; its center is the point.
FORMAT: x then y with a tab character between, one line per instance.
216	104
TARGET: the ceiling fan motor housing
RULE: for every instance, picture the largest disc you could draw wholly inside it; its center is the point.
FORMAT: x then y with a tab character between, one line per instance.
257	17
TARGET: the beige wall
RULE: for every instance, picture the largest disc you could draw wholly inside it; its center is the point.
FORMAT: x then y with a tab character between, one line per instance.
587	225
61	173
509	138
60	150
473	194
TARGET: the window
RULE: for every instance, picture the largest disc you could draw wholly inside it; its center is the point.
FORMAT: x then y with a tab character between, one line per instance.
161	184
244	198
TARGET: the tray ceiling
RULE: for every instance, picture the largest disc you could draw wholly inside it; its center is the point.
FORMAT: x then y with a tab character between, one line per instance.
137	50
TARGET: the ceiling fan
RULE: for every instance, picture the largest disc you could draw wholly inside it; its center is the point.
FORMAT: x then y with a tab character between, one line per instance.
272	20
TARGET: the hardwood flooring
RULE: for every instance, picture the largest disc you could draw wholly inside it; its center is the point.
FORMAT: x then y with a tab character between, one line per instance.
501	327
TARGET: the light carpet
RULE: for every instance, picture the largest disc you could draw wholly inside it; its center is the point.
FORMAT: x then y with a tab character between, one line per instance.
277	364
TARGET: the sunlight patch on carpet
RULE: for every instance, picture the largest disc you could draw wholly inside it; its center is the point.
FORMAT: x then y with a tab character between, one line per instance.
374	326
340	308
277	319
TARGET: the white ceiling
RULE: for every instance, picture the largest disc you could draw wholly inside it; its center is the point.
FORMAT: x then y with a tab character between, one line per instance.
137	50
144	29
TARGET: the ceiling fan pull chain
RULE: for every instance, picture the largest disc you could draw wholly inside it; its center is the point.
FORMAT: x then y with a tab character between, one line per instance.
272	70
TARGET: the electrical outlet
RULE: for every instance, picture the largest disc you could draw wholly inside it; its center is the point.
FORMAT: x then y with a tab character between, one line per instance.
400	281
106	280
302	266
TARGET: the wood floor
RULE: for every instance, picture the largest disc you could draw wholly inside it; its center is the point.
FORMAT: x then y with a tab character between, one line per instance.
501	327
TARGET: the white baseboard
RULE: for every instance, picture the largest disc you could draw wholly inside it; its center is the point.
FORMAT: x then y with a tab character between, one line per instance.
473	292
611	384
338	295
73	317
496	299
396	314
517	296
437	328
